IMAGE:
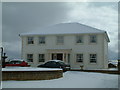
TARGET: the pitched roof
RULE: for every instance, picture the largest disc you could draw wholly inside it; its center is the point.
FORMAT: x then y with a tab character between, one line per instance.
65	28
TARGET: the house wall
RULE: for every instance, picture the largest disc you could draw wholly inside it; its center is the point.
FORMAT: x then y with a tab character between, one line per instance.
105	53
99	48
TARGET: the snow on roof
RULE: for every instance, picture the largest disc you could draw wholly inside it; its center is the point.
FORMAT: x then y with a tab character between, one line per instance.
64	28
114	62
56	60
17	60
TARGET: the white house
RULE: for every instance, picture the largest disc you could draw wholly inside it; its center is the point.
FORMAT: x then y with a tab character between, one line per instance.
73	43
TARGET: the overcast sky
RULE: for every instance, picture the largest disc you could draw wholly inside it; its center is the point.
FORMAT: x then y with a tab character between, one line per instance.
29	16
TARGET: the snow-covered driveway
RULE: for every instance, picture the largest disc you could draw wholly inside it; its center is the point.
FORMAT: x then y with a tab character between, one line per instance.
71	79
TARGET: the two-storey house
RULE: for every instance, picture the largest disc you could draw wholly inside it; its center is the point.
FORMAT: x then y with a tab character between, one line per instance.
73	43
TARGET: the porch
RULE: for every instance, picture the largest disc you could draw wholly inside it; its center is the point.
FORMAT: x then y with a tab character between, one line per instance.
59	54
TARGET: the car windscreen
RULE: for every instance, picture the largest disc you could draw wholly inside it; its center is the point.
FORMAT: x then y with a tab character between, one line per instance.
62	63
15	62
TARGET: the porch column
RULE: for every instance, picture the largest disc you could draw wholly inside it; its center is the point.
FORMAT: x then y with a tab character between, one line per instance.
63	57
67	58
50	56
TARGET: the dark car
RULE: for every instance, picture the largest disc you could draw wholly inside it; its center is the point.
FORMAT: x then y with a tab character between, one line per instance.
111	65
55	64
17	62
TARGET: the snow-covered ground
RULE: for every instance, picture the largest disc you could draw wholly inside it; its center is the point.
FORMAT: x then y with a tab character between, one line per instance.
70	79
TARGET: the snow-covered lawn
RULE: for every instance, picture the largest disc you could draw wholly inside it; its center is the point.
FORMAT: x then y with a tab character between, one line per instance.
70	79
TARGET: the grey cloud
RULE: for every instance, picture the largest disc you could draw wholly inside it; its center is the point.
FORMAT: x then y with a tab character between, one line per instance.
12	55
112	55
23	17
113	5
35	14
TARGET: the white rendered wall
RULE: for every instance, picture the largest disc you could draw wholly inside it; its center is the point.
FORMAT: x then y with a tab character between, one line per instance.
100	48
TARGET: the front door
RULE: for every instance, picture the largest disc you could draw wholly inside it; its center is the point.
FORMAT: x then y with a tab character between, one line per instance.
60	56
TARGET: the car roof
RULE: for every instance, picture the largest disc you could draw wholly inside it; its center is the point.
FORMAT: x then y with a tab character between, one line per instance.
17	60
55	60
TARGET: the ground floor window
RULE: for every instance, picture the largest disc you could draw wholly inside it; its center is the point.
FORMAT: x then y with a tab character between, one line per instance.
79	57
93	58
41	57
30	57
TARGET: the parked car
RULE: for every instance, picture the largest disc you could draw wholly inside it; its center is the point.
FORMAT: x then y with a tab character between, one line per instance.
17	62
111	65
55	64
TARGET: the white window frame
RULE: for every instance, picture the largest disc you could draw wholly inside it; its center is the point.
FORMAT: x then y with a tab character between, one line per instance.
41	57
30	58
42	40
30	40
79	57
93	59
93	38
79	39
60	39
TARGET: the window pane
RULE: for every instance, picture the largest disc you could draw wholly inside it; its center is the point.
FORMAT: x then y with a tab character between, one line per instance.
79	57
93	58
41	57
60	39
30	57
93	38
79	39
30	40
42	40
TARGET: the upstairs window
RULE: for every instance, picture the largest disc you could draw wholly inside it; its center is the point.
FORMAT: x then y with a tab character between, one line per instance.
93	58
93	38
79	57
42	40
30	57
30	40
41	57
60	39
79	39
